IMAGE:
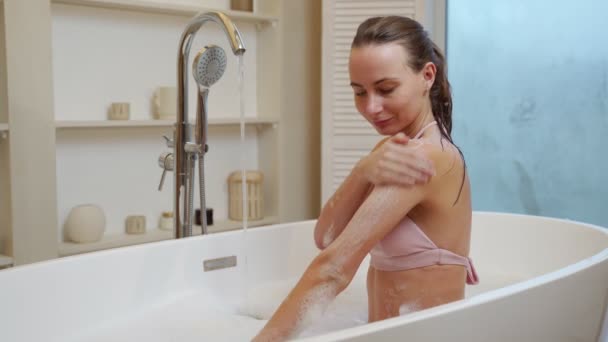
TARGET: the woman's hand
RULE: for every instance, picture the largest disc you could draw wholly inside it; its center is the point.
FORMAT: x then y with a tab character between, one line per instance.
397	163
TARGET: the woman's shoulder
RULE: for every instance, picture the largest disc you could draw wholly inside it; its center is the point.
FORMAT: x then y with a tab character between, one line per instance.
380	143
445	156
450	181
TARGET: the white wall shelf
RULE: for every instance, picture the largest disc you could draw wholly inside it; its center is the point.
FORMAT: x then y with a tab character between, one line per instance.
154	123
5	261
152	235
169	8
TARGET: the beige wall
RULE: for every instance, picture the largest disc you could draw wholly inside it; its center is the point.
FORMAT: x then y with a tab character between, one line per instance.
3	105
32	130
301	108
5	237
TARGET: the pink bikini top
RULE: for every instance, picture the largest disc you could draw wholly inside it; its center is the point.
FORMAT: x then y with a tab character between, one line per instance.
407	247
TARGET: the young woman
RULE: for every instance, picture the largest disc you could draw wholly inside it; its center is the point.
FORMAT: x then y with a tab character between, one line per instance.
418	235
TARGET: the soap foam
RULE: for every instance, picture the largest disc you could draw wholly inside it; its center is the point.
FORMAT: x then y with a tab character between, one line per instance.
407	308
262	301
314	304
348	309
201	316
322	315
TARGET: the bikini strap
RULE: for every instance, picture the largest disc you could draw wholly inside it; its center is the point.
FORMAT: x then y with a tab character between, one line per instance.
424	128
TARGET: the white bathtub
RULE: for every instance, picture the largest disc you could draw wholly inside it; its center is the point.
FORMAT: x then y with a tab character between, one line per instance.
542	279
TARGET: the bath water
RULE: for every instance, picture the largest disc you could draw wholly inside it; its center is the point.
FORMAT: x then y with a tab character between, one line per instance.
349	309
200	316
203	316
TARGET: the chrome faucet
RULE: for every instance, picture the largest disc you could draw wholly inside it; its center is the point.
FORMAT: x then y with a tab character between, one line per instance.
190	142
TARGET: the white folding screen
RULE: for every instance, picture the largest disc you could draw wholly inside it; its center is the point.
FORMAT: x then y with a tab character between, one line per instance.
346	136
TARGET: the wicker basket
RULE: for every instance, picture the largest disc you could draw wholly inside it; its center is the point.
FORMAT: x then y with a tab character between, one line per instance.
255	196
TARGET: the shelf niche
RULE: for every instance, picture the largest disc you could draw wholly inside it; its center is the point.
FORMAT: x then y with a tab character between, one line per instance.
115	240
68	124
130	48
170	8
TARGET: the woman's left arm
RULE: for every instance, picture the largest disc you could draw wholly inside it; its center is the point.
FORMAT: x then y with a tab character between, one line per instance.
334	268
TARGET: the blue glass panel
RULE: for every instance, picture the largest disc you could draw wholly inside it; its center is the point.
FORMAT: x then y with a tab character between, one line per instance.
530	88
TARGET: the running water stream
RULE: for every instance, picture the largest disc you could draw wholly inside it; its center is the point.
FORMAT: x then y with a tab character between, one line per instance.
244	243
241	85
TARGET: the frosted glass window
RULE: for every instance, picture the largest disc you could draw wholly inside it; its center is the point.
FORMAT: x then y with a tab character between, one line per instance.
530	87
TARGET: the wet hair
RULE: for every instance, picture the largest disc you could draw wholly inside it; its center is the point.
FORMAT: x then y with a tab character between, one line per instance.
420	49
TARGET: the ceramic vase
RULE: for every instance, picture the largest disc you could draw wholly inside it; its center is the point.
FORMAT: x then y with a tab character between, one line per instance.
85	223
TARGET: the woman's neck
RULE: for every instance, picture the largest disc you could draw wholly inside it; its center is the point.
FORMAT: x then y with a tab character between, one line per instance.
419	123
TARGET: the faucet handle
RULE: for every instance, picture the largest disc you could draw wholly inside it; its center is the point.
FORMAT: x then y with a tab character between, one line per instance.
162	180
166	162
170	142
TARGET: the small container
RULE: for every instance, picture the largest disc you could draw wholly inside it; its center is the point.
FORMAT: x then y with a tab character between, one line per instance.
165	102
241	5
166	221
119	111
255	196
135	224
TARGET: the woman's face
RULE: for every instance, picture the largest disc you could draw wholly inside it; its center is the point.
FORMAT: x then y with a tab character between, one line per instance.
388	93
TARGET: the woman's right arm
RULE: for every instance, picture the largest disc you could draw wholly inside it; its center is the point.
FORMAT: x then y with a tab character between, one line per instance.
390	162
341	207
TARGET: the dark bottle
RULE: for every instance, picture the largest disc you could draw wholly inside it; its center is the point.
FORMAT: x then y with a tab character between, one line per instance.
197	217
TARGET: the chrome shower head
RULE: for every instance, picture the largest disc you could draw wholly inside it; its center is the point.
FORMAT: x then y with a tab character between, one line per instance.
209	65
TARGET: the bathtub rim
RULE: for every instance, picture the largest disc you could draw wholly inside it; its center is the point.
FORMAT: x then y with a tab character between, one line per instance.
122	249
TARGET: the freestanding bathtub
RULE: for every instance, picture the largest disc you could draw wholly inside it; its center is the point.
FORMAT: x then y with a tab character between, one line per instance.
542	279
